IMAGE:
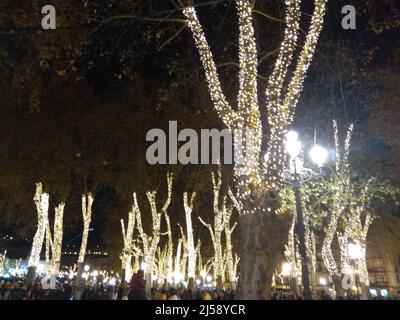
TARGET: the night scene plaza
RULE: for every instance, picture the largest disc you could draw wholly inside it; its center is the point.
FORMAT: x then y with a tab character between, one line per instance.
223	150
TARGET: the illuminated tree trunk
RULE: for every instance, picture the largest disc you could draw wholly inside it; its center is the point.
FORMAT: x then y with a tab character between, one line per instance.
188	205
150	243
57	240
87	202
217	228
126	254
2	262
204	268
42	206
170	253
341	187
258	179
230	263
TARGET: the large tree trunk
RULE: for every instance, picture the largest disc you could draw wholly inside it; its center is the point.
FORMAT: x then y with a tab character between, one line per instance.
337	282
30	277
79	271
263	238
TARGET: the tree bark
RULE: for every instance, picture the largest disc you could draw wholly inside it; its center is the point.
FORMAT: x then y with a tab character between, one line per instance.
337	282
30	277
263	238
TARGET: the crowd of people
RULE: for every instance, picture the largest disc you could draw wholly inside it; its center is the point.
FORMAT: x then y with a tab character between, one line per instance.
15	289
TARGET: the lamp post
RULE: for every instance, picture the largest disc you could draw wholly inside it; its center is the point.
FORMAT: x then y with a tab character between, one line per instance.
296	175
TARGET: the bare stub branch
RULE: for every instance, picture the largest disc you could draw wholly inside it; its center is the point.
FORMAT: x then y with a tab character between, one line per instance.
221	105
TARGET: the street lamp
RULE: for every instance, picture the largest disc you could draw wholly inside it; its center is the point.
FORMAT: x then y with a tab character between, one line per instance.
296	175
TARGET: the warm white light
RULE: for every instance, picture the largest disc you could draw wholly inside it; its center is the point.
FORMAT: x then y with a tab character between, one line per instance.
293	145
209	278
95	273
198	281
318	155
286	269
354	251
143	266
322	281
87	268
292	135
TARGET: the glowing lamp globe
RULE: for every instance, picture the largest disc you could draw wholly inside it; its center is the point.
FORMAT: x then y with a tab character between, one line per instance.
86	268
293	145
318	155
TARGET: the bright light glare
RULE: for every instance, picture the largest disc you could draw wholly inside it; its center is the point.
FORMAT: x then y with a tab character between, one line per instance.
354	251
86	268
293	145
286	269
143	266
209	278
322	281
318	155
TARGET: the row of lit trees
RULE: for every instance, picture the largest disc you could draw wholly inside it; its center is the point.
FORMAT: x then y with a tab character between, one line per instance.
338	212
183	262
53	243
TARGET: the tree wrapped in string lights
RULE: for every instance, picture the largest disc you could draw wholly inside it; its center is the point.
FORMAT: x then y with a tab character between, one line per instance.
41	200
2	262
150	242
340	187
217	227
87	202
188	205
56	248
258	178
126	254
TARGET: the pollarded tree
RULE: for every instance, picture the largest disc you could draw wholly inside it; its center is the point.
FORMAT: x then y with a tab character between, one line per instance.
41	200
126	254
188	205
150	242
217	227
340	191
259	178
2	262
